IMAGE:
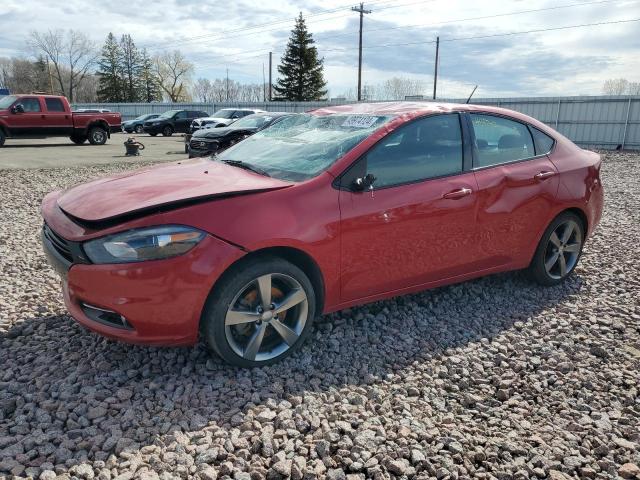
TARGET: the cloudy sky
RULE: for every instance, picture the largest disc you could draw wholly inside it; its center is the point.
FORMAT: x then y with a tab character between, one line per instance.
476	42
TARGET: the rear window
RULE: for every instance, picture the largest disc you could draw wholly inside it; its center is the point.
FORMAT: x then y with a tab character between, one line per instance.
542	141
54	104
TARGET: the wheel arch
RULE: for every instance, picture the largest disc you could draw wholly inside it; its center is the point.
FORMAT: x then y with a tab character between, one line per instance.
98	123
297	257
579	212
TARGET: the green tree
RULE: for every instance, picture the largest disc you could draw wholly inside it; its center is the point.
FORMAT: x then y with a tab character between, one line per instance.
300	69
149	83
131	69
110	71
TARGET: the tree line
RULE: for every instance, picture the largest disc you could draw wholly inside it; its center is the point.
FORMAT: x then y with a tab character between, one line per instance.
70	63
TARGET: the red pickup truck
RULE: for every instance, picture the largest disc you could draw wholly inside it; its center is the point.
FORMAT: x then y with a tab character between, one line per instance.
37	116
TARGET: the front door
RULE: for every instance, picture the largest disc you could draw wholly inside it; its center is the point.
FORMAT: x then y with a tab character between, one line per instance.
517	186
30	122
182	121
416	225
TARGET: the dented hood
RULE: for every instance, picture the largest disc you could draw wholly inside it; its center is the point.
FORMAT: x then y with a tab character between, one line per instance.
160	186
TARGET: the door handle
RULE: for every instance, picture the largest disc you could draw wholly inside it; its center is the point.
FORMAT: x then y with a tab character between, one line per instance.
458	193
543	175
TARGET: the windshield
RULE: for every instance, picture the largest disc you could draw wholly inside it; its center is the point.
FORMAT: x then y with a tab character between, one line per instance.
169	114
225	113
252	121
302	146
6	101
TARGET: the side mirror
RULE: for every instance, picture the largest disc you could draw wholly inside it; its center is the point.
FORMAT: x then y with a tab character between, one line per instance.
361	184
18	108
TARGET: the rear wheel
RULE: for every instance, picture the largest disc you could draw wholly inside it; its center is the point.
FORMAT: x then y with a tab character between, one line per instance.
558	251
167	131
97	136
78	139
260	313
139	129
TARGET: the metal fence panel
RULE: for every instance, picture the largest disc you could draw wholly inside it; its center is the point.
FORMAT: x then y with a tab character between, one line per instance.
590	121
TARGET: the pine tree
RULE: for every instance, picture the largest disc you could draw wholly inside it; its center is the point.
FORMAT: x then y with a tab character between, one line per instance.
110	87
148	82
301	70
131	68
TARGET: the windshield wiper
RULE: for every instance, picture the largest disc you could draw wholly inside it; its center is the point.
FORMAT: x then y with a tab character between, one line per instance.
246	166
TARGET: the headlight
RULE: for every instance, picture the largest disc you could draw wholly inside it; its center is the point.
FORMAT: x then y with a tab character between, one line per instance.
153	243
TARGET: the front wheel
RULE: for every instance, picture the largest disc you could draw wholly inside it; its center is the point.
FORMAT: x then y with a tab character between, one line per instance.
139	129
167	131
558	251
97	136
260	313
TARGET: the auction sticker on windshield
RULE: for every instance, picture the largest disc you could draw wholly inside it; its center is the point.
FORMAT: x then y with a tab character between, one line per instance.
360	121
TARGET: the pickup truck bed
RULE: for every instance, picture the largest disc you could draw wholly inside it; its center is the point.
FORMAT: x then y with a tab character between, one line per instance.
38	116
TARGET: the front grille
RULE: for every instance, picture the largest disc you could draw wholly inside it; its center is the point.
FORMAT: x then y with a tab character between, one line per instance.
199	144
59	243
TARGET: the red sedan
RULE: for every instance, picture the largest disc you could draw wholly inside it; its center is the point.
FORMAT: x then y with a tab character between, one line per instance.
334	208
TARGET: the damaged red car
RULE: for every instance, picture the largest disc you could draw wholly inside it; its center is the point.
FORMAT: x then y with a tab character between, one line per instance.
334	208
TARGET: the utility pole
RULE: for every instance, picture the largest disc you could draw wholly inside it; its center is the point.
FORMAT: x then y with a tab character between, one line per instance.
227	84
435	75
361	11
264	87
270	58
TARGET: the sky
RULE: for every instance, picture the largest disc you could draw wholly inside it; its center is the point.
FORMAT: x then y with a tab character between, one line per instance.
477	44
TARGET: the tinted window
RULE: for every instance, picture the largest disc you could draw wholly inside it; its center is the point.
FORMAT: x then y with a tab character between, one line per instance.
426	148
542	141
30	104
180	116
499	140
54	104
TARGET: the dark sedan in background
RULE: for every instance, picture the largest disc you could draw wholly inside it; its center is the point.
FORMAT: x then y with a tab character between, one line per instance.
211	140
137	124
172	121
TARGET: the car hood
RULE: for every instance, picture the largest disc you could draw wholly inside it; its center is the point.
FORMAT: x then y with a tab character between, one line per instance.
220	132
160	187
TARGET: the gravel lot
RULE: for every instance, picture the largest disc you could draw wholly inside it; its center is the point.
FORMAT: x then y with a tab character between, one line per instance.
494	378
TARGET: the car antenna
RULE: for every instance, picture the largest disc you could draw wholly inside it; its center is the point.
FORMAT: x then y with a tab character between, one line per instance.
472	92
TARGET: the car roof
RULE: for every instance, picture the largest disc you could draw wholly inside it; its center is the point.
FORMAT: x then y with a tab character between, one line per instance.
399	108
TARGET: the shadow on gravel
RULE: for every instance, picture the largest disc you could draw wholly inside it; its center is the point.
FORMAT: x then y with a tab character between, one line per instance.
67	394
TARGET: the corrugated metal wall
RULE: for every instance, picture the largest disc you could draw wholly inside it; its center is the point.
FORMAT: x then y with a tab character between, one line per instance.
591	122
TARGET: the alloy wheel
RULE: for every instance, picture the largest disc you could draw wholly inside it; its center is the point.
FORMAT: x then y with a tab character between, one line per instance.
266	317
563	250
98	136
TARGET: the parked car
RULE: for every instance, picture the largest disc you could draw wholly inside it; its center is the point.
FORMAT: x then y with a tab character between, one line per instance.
172	121
326	210
211	140
222	118
39	116
137	124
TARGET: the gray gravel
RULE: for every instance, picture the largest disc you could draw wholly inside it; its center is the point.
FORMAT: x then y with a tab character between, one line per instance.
494	378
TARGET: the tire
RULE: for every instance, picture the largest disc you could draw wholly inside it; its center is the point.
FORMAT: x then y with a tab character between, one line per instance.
2	138
139	129
234	334
559	250
97	136
78	139
167	131
153	134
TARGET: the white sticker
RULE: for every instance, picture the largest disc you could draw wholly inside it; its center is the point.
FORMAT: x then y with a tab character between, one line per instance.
359	121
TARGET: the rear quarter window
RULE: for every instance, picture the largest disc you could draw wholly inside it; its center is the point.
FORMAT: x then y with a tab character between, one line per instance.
542	141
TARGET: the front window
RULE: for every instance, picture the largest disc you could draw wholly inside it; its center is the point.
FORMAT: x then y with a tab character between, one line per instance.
169	114
225	113
6	102
253	121
302	146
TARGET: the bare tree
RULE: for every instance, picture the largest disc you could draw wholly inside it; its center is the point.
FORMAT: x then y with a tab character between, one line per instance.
72	53
615	86
174	72
203	90
633	88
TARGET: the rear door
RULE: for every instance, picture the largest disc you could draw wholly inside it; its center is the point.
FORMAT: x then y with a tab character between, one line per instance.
58	120
31	122
182	120
416	225
516	188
